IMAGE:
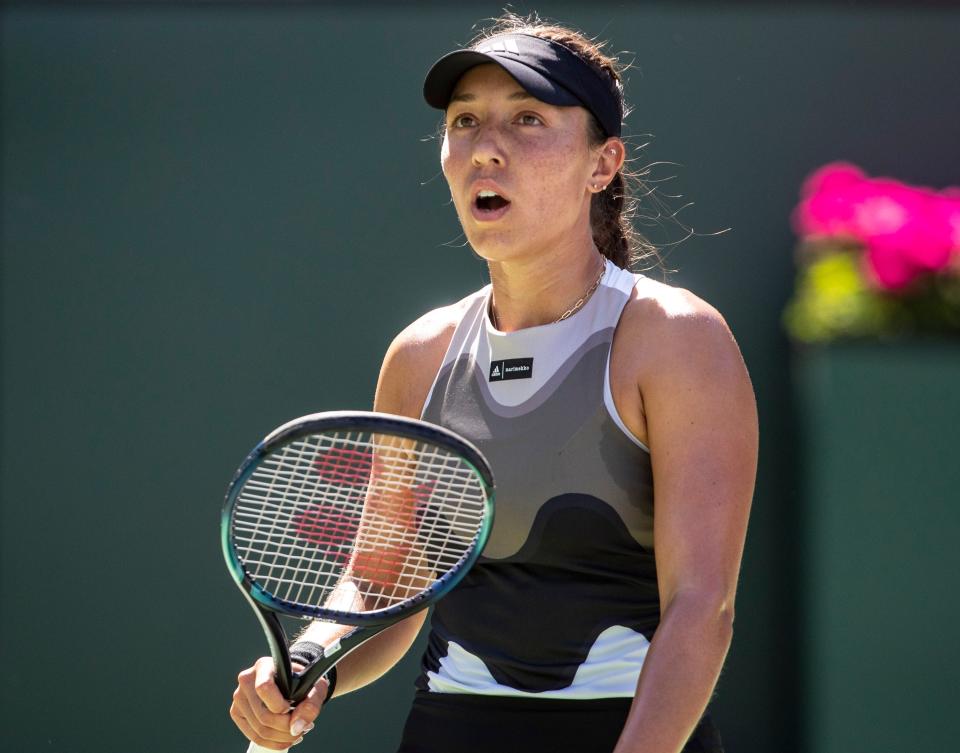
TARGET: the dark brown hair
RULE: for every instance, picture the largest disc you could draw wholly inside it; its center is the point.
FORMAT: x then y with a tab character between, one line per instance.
611	210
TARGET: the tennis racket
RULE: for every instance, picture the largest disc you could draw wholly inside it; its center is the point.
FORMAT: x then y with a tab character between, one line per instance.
355	518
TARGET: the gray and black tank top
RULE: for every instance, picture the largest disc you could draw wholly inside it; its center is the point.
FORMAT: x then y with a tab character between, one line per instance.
563	602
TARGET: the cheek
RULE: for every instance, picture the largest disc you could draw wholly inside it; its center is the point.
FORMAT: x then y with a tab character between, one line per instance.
444	155
558	170
452	157
447	167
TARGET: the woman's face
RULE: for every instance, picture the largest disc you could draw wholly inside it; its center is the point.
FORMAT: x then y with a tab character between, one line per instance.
535	157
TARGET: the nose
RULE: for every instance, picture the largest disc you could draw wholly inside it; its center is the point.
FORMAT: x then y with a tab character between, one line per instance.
488	148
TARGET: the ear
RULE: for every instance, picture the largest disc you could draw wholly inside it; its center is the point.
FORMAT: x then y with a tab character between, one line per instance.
610	159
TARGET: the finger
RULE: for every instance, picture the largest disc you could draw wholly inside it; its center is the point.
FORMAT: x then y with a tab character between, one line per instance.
301	720
251	734
261	673
266	738
266	688
249	706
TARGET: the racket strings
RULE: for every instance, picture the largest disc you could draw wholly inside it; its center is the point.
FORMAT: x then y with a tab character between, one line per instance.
369	519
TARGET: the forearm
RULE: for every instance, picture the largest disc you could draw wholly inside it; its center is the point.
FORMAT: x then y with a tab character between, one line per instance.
373	658
678	677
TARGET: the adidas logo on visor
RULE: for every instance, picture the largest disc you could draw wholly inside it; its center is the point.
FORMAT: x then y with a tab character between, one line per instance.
500	45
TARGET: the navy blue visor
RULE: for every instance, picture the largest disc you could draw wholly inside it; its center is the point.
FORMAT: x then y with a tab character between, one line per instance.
545	69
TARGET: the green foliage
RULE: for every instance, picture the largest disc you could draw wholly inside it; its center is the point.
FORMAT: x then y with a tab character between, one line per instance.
834	300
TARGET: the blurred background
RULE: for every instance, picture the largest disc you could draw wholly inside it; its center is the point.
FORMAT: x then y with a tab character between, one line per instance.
215	217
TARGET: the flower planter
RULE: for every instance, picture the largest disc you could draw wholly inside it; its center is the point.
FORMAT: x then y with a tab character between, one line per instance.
881	545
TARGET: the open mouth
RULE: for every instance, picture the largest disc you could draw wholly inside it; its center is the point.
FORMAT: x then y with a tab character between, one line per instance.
489	205
488	201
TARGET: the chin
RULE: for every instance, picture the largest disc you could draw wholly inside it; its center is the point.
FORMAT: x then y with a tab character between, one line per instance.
498	245
495	252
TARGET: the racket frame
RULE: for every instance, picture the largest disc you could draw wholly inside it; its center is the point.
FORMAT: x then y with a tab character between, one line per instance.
295	685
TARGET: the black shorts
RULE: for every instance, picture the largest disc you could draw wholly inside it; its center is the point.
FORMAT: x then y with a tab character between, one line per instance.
461	723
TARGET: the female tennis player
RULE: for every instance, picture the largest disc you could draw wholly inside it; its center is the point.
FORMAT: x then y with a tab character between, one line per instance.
619	420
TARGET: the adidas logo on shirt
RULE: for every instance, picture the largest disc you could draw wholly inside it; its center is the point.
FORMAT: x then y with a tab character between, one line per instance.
511	368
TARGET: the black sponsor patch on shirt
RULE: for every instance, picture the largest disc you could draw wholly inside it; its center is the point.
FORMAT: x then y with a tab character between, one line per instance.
511	368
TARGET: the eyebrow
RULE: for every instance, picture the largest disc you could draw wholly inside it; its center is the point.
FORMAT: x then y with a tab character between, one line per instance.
468	97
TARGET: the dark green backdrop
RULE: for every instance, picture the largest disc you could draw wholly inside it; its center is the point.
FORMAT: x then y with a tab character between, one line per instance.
215	217
880	527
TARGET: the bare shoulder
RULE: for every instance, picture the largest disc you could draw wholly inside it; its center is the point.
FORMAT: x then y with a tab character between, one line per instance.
672	352
670	341
654	303
665	324
413	359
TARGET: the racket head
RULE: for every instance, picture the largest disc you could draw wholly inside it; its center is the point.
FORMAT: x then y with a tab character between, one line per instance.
331	465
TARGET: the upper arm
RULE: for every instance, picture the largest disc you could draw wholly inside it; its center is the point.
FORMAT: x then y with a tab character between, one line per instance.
702	432
411	363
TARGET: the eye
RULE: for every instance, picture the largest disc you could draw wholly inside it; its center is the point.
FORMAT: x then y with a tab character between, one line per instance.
464	120
529	119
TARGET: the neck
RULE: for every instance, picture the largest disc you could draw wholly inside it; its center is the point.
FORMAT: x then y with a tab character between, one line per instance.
533	291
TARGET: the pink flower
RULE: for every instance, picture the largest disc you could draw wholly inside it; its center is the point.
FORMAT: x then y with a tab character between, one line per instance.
907	231
912	219
831	177
888	269
884	207
950	207
828	198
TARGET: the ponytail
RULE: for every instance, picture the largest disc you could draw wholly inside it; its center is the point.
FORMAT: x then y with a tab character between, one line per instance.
610	230
611	212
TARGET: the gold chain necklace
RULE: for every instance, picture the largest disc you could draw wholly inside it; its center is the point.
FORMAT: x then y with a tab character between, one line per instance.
570	311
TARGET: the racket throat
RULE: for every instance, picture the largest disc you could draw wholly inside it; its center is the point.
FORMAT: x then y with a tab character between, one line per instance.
333	654
277	640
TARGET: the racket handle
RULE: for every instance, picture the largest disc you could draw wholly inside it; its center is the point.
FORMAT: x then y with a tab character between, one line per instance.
254	748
